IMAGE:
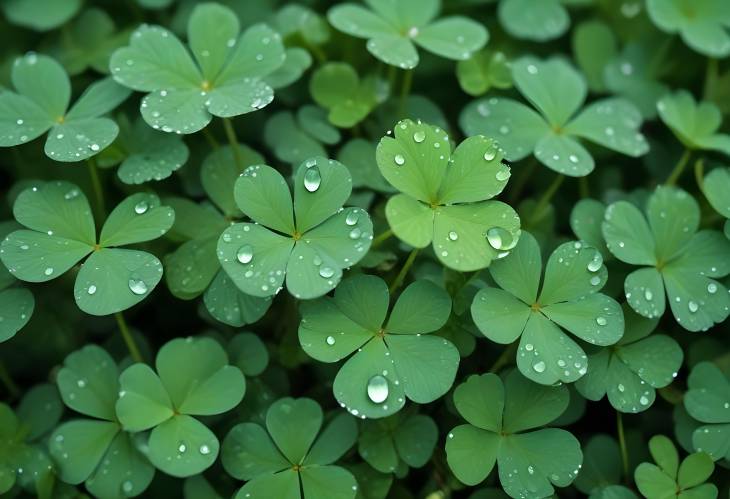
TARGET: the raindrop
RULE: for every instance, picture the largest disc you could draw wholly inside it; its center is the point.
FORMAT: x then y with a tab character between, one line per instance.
539	367
352	218
601	321
399	159
141	207
312	179
595	280
378	389
127	486
326	272
693	307
490	154
502	175
712	288
355	233
204	449
330	340
453	236
137	286
94	147
499	239
245	254
182	447
643	400
48	271
648	295
91	290
595	264
419	136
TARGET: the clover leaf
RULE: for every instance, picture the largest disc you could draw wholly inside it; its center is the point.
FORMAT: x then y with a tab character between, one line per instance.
708	401
359	157
557	91
392	444
569	299
695	125
702	25
166	402
482	71
337	87
60	232
40	15
631	370
675	258
445	196
295	138
300	22
394	358
42	104
226	79
308	241
498	414
291	458
669	478
601	471
393	29
585	220
16	303
536	21
96	450
716	185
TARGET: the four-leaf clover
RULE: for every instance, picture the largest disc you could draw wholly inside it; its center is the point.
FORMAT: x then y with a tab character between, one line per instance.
393	358
568	299
558	91
446	196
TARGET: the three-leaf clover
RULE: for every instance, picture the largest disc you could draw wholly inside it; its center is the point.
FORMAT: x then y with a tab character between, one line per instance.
393	358
630	371
395	28
96	451
42	104
703	24
166	402
308	241
676	258
392	444
226	79
708	401
446	196
61	233
557	91
498	414
569	299
694	124
668	478
291	458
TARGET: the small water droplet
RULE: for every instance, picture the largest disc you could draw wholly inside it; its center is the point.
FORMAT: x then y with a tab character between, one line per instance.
621	388
326	272
330	340
595	264
182	447
378	389
693	307
399	159
643	400
352	218
503	175
137	286
48	271
712	288
245	254
595	280
127	487
573	158
91	290
204	449
355	233
648	295
601	321
312	179
72	194
419	136
453	236
490	154
539	367
141	207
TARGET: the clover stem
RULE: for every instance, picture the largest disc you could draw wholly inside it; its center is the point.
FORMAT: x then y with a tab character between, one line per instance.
583	188
622	445
381	238
404	270
316	51
679	168
231	134
525	173
700	174
392	76
96	184
210	138
544	200
504	358
710	77
128	338
405	90
7	380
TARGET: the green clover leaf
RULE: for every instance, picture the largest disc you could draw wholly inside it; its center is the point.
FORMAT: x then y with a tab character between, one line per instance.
96	451
393	30
446	195
392	444
669	478
585	220
535	21
498	413
226	79
695	125
703	25
715	186
359	157
310	253
337	87
297	61
296	22
291	454
60	233
675	258
631	370
16	303
482	71
708	401
557	91
166	401
40	15
594	46
601	470
568	300
295	138
41	105
393	358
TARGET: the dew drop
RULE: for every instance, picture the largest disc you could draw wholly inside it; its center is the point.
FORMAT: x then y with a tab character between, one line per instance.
539	367
204	449
91	290
127	487
419	136
712	288
72	194
601	321
399	159
648	295
355	233
245	254
141	207
643	400
453	236
693	307
499	239
595	280
595	264
573	158
621	388
326	272
48	271
352	218
378	389
182	447
490	154
137	286
312	179
502	175
330	340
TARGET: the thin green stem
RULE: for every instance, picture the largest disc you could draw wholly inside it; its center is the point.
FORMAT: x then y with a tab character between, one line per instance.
710	78
404	270
659	55
405	90
700	174
7	380
316	51
381	238
392	77
583	188
622	445
212	141
128	338
504	358
233	140
679	168
544	201
96	185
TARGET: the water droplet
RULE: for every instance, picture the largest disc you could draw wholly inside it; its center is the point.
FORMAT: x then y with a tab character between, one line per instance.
502	175
595	280
601	321
127	487
137	286
419	136
312	179
693	307
48	271
539	367
245	254
141	207
529	347
378	389
91	290
712	288
204	449
182	447
648	295
643	400
326	272
399	159
499	239
453	236
490	154
573	158
330	340
94	147
355	233
73	193
621	388
352	218
595	264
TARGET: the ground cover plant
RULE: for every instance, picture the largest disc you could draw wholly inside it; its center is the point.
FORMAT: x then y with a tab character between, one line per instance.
368	249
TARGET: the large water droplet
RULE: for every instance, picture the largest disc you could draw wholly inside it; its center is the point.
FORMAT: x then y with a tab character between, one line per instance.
499	238
539	367
245	254
137	286
378	389
312	179
419	136
141	207
595	264
352	218
399	159
490	154
326	272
